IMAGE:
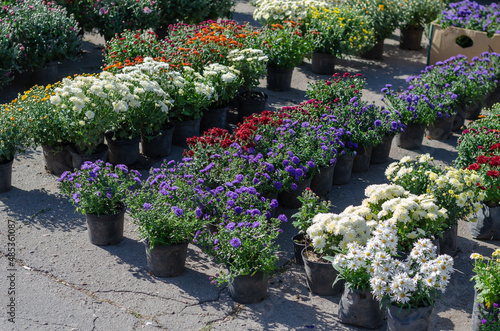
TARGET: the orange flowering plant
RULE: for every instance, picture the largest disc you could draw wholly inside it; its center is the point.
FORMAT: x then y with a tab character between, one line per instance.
285	44
383	14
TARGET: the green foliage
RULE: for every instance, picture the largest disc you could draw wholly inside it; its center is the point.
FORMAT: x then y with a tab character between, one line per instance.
311	206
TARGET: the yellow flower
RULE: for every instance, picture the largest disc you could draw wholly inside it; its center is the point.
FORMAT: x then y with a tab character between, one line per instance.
476	256
381	7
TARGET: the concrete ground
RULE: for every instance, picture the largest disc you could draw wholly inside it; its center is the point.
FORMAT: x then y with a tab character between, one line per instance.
62	282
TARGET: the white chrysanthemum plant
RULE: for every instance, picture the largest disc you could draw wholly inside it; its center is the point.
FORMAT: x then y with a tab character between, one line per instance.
90	105
225	80
331	233
415	216
190	92
413	283
277	11
454	189
251	64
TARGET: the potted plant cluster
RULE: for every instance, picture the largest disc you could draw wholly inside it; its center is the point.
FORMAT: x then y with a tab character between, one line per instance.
486	291
98	191
38	34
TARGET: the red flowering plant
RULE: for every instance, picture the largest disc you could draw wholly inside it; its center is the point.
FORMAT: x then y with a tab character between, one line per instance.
476	139
128	46
488	167
338	89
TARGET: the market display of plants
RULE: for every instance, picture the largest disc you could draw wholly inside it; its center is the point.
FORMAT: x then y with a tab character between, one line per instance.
223	194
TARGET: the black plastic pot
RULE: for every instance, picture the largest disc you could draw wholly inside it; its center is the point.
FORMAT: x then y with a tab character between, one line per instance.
105	229
487	226
412	137
472	112
78	159
408	319
321	183
441	129
411	39
360	309
167	260
321	276
298	246
376	52
57	159
448	243
279	79
289	199
361	162
323	63
123	151
184	130
214	118
381	151
248	288
343	169
253	103
46	75
6	176
158	146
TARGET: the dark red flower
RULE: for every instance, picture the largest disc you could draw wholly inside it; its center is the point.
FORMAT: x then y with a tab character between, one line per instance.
492	173
474	167
482	159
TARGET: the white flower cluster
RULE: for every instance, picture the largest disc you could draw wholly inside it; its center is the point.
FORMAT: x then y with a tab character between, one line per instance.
295	10
224	79
247	55
398	170
413	214
333	232
421	272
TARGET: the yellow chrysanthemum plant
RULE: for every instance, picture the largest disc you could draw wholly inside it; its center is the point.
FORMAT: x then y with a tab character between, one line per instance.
383	14
487	285
342	30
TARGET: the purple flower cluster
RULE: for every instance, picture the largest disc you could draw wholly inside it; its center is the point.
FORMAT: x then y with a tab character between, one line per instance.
471	15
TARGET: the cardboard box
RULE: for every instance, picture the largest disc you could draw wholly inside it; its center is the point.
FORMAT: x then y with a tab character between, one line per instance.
443	43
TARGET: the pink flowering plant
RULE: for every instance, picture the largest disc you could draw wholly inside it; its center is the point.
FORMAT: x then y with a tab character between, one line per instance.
479	136
98	188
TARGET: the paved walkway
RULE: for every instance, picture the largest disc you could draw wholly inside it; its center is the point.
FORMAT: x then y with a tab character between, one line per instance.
62	282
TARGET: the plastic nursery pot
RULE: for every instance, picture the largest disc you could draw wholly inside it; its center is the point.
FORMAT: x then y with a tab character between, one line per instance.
320	276
321	183
57	159
46	75
279	79
289	199
167	260
459	118
298	247
214	118
473	111
441	129
158	146
185	129
343	169
417	319
412	137
123	151
248	288
381	151
78	159
361	162
251	103
487	226
411	39
106	229
323	63
376	52
448	242
6	176
359	308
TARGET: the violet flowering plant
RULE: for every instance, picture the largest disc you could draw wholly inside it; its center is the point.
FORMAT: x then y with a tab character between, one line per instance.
471	15
246	244
99	188
168	208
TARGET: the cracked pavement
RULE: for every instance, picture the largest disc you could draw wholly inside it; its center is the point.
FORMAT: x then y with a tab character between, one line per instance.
63	282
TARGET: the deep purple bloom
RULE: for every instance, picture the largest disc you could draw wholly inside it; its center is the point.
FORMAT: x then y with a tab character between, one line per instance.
295	160
278	185
282	218
484	321
230	226
294	186
63	176
274	203
230	203
76	197
235	242
378	123
109	193
255	224
198	212
256	212
310	164
177	211
238	210
147	206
